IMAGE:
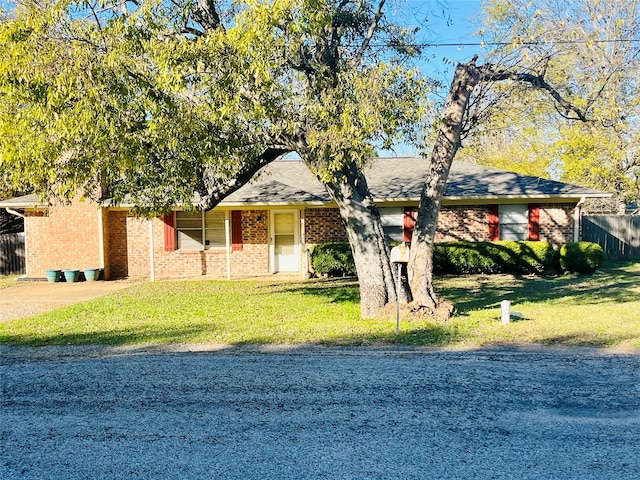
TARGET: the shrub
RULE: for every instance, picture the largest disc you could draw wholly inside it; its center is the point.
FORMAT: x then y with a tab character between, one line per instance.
493	257
333	259
519	258
581	257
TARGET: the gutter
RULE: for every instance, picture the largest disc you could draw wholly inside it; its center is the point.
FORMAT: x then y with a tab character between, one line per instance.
152	267
576	218
13	212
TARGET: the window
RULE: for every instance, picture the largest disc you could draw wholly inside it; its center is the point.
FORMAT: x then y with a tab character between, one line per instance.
514	222
392	219
192	228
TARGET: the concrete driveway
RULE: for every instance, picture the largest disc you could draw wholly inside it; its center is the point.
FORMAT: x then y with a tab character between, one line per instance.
24	299
318	413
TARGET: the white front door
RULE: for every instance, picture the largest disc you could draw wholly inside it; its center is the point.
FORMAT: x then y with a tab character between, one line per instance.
285	248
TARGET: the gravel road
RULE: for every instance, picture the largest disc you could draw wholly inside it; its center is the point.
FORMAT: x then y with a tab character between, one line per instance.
319	413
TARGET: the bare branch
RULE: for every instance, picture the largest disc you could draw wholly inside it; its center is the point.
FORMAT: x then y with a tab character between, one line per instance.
206	14
489	74
372	30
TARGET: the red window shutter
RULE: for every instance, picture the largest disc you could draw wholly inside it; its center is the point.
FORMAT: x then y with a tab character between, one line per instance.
494	223
410	215
169	232
236	230
534	222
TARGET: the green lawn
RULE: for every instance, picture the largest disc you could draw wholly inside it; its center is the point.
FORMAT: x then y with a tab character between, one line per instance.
7	280
598	310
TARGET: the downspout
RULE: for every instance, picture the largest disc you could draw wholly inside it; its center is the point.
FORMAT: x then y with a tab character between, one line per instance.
101	238
576	219
13	212
152	268
304	271
227	239
18	214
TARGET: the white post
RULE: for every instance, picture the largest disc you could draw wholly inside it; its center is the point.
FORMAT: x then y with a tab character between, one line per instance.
101	237
576	219
152	267
506	311
227	241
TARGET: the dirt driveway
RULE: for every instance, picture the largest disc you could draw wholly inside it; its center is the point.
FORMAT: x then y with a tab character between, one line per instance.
319	413
25	299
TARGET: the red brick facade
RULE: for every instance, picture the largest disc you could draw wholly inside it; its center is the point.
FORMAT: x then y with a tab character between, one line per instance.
465	222
455	222
65	237
323	225
68	236
557	223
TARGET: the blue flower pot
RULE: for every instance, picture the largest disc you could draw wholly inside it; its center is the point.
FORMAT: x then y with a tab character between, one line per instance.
71	275
91	274
53	276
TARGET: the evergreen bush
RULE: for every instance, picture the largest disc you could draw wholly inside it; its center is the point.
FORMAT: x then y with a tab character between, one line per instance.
493	257
581	257
333	259
464	257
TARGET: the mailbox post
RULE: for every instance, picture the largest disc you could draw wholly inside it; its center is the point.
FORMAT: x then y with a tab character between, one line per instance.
399	256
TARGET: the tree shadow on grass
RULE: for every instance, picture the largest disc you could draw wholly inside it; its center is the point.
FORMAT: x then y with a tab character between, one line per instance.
114	337
617	283
335	290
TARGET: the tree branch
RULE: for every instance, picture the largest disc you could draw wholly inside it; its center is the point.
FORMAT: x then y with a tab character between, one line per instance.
489	74
215	194
372	30
206	14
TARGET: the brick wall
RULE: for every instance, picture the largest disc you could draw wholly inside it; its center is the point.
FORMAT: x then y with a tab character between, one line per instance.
67	237
455	222
464	222
557	223
253	259
128	250
115	245
323	225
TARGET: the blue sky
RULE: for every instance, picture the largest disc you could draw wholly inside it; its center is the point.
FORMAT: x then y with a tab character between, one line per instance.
449	22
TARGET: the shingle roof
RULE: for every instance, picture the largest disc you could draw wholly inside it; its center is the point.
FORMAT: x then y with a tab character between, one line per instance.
289	182
401	179
25	201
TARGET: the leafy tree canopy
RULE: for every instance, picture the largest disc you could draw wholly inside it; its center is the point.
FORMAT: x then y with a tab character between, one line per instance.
152	101
590	50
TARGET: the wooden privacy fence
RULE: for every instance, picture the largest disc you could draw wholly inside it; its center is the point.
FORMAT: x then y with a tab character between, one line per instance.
12	258
618	235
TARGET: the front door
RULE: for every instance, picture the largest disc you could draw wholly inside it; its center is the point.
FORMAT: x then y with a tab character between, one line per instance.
285	251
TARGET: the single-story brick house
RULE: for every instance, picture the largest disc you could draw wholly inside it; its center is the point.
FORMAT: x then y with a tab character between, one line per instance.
271	224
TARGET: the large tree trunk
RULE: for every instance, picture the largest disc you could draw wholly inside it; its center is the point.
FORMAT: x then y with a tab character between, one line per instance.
364	231
465	79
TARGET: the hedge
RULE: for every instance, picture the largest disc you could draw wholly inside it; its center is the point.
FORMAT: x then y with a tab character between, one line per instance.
581	257
518	258
333	259
493	257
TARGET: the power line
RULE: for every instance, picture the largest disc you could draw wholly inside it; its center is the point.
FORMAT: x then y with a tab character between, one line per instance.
532	43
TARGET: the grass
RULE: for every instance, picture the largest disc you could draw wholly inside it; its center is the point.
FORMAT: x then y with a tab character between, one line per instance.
7	280
599	310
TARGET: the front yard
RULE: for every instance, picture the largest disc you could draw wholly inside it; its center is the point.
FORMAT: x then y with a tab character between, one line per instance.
598	310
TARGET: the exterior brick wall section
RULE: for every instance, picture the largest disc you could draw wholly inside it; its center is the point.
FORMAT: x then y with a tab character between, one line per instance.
115	246
557	223
469	222
463	222
253	259
127	240
323	225
137	247
65	238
